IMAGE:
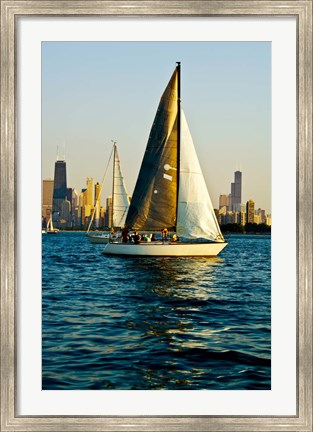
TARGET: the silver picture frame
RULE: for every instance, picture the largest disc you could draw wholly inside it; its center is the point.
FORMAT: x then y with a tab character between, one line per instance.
10	10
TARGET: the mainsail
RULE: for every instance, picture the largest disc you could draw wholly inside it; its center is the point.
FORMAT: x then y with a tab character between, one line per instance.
120	198
153	205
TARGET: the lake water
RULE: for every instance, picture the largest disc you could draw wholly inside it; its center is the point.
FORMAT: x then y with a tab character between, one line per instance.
155	323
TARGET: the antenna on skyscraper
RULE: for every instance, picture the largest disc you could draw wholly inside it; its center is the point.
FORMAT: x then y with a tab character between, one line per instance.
57	152
64	150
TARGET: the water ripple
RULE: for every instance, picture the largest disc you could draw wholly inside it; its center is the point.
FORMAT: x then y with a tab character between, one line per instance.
155	323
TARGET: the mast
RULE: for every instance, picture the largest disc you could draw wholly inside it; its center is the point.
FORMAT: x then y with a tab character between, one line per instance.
178	134
113	182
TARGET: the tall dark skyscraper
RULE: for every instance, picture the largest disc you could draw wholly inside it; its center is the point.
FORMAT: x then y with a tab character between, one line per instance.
60	187
236	189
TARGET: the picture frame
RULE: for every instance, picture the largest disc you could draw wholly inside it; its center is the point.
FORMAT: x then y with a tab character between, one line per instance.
10	10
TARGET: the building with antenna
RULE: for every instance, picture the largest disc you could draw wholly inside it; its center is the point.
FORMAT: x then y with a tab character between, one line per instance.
232	202
59	191
236	191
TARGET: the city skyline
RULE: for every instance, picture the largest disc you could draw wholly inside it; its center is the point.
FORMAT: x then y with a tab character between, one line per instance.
231	200
69	208
95	92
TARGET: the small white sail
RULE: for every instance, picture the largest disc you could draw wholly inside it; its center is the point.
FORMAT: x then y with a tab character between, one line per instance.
50	225
120	195
196	217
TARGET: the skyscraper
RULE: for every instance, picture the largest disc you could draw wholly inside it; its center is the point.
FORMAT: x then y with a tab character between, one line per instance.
97	204
66	214
108	212
223	201
60	187
47	198
236	189
90	192
74	198
250	211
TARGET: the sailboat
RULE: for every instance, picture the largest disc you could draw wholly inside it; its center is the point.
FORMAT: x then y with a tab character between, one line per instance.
50	228
170	191
119	207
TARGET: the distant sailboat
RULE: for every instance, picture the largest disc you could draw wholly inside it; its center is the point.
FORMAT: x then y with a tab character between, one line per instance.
170	191
50	228
120	205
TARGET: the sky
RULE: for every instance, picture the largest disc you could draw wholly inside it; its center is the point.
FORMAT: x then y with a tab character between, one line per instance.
96	92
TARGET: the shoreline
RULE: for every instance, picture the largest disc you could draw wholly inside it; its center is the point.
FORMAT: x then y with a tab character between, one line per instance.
227	233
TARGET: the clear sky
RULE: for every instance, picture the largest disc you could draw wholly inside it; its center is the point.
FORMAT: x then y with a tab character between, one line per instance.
95	92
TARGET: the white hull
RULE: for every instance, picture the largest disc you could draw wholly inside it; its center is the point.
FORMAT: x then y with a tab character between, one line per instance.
164	249
102	238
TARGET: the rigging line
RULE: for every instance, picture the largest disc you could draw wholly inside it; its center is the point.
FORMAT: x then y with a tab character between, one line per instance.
98	199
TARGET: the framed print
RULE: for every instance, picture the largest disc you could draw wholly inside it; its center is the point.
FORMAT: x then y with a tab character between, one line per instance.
182	334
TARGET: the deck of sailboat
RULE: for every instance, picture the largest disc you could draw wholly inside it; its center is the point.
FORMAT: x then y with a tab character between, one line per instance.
160	248
101	237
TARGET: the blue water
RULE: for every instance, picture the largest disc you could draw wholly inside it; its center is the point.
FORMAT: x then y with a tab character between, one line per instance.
155	323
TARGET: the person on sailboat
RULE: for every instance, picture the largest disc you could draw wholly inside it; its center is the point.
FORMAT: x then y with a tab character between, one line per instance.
164	233
136	238
174	238
125	233
153	237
